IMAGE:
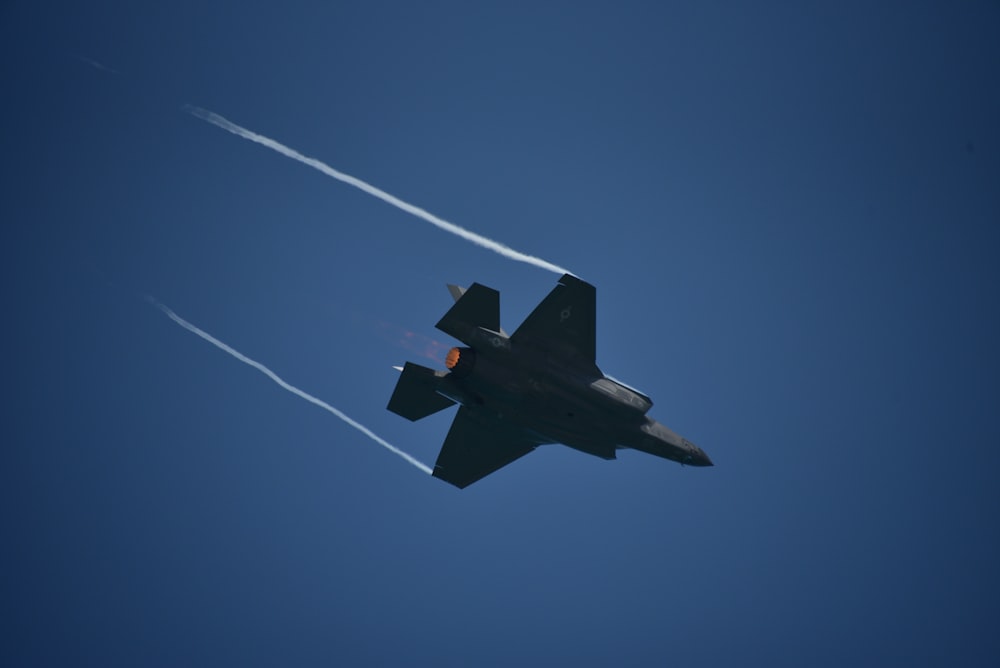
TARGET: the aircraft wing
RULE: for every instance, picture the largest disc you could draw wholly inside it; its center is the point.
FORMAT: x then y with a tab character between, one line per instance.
477	445
565	322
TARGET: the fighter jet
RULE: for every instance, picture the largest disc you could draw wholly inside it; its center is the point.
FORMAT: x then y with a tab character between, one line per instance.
539	385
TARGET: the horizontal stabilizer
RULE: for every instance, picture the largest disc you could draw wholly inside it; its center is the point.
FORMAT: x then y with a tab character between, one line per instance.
416	394
457	291
478	306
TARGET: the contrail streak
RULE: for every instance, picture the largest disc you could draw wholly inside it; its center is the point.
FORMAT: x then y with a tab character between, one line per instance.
96	65
477	239
291	388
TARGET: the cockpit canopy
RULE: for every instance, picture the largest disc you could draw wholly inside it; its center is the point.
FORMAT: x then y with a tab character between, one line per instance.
626	396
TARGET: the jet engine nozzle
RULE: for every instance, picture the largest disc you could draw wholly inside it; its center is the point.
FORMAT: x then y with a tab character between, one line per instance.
460	361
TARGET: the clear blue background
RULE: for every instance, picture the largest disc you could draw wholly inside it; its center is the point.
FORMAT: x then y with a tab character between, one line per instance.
791	214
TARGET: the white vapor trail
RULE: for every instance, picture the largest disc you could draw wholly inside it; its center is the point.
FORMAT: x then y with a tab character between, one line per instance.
445	225
96	65
291	388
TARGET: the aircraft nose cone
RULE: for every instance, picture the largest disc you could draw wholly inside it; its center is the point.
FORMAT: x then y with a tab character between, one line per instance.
699	458
693	455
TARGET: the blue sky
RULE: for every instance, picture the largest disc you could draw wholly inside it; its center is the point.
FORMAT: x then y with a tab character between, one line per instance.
791	214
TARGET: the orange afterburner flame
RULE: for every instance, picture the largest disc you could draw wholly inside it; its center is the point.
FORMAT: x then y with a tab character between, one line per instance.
426	347
452	358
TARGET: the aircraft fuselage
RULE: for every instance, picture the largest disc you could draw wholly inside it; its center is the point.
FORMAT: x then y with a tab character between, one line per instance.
539	385
577	406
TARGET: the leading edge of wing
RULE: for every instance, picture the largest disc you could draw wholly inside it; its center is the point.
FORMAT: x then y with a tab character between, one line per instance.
478	444
565	322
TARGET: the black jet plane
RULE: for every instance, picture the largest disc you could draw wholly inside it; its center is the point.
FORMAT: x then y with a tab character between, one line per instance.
539	385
